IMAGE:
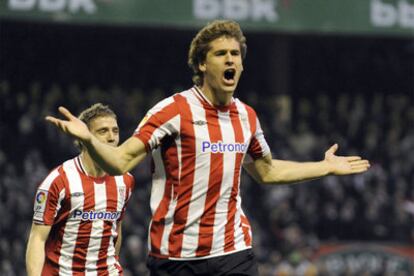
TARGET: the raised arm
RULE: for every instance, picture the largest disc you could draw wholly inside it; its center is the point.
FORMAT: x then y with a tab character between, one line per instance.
114	160
272	171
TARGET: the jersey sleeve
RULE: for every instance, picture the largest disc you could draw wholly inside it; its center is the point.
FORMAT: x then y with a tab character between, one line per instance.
48	199
160	121
258	146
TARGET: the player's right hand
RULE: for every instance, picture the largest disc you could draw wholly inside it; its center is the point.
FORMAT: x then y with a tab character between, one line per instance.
72	125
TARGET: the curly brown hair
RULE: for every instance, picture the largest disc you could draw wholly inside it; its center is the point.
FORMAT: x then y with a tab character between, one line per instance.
200	45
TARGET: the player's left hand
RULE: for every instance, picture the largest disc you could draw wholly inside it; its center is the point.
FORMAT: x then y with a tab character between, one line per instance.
71	125
342	165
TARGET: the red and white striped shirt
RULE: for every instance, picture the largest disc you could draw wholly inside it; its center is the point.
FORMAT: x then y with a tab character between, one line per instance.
84	213
198	151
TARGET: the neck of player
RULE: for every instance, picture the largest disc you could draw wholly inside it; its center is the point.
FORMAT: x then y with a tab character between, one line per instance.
217	97
90	167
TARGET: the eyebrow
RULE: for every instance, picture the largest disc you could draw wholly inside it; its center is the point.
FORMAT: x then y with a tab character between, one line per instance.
107	128
219	51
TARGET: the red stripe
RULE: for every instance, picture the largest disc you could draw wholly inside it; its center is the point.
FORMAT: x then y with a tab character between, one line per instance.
54	245
170	161
232	206
103	272
155	121
186	178
255	149
206	230
251	114
130	183
52	198
85	227
50	268
111	205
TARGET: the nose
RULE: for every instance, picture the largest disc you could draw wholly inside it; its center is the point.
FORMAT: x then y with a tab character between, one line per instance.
111	136
229	59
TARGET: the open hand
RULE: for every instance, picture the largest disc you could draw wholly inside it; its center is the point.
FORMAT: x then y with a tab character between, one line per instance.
72	126
342	165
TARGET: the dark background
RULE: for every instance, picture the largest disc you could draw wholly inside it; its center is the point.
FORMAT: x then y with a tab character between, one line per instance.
309	91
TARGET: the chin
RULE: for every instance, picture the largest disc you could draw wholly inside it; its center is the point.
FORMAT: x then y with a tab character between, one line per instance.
229	89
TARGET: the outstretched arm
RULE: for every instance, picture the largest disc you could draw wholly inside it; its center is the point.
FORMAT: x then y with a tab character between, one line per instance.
114	160
272	171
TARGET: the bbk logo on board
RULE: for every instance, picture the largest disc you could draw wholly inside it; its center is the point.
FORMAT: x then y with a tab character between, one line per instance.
256	10
386	14
72	6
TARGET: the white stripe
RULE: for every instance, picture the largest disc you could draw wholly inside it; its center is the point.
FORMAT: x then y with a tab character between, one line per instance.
49	180
200	185
169	217
157	192
72	226
62	195
169	222
158	181
239	242
120	204
166	129
179	151
159	178
238	230
229	160
157	188
91	272
121	197
159	106
261	139
95	239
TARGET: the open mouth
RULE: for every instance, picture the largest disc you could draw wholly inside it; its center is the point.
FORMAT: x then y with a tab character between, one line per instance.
229	74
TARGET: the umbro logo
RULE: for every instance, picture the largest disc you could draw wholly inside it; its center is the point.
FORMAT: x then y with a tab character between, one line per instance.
199	123
78	194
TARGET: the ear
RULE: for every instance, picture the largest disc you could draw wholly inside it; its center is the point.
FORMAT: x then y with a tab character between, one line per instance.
202	67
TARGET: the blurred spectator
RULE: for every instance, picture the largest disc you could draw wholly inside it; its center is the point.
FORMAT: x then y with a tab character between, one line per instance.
289	222
376	206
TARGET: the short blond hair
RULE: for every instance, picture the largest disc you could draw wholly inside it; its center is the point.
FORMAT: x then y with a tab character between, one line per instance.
94	111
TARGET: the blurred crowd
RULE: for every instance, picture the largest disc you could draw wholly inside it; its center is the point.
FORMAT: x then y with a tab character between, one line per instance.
289	222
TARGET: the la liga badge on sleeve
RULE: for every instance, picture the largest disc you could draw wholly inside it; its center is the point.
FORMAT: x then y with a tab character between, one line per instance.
40	201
